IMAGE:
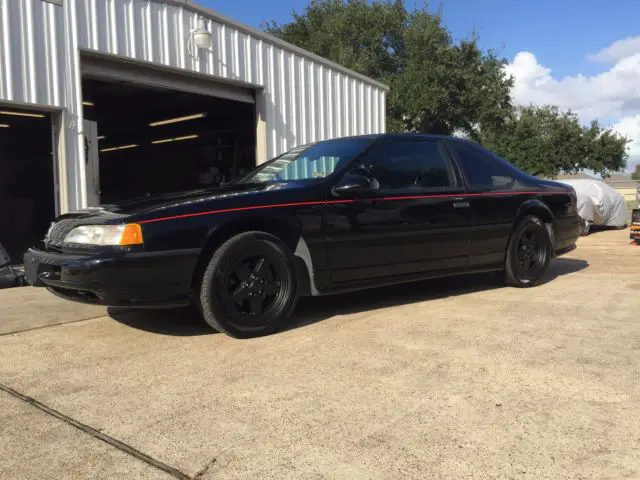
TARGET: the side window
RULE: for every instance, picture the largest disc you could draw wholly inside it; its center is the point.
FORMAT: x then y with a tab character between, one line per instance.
480	167
411	165
305	167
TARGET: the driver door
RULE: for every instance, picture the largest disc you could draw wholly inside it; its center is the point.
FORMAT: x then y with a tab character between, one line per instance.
417	223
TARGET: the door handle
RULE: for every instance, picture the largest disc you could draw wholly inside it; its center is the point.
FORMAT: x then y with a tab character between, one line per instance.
460	203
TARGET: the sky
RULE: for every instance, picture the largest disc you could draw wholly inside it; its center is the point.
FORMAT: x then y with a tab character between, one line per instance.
582	55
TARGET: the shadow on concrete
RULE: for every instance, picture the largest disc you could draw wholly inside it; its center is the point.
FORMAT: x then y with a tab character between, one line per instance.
177	322
312	310
187	322
595	229
563	266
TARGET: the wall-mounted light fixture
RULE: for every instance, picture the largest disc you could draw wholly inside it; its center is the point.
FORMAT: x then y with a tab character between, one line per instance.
199	39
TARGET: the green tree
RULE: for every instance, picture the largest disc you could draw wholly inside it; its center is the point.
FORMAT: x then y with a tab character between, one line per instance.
636	173
546	141
437	85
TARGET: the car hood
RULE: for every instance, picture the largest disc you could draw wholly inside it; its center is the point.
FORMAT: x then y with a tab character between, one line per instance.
142	205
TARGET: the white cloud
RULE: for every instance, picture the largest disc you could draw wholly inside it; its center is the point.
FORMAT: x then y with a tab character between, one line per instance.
617	51
612	97
613	93
630	128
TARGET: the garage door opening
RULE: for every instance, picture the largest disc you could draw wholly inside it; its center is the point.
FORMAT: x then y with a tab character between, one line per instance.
27	202
144	140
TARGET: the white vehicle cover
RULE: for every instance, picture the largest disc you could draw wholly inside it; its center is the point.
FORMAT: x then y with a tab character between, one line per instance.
599	203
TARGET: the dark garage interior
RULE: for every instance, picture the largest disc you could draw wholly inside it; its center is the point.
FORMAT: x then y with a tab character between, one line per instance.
27	202
154	140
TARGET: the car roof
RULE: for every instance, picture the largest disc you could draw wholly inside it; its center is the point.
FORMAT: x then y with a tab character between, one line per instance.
426	136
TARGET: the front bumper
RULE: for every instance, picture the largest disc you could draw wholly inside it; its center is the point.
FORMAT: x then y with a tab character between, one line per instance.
142	279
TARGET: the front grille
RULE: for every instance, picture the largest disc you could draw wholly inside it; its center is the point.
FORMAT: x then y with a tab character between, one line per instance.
636	215
59	231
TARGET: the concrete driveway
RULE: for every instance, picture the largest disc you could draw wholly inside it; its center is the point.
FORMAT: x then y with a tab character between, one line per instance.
442	379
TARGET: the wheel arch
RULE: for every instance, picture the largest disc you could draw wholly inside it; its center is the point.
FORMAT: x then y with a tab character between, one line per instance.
541	210
538	208
284	230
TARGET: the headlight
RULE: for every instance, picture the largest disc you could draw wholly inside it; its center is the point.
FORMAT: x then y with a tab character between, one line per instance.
129	234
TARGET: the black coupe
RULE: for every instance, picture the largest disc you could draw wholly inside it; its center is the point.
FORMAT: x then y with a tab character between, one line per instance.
328	217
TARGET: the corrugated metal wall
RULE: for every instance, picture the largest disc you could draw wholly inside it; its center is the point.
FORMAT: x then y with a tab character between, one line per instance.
306	100
31	52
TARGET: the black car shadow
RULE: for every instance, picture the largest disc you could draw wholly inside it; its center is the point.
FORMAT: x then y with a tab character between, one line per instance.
178	322
595	229
187	322
563	266
312	310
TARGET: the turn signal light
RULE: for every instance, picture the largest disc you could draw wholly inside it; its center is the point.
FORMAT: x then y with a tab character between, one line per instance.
132	235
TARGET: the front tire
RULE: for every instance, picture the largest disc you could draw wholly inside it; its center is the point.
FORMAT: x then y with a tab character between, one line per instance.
249	288
528	253
585	227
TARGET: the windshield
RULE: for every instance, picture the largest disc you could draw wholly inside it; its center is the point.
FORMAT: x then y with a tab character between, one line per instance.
314	161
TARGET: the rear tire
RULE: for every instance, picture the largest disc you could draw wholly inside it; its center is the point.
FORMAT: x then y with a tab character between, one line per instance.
249	288
528	253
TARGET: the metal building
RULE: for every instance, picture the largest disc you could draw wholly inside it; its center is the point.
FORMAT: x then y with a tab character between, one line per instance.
55	54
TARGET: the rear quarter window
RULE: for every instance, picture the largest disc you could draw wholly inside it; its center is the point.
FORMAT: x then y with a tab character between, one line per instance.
413	164
481	168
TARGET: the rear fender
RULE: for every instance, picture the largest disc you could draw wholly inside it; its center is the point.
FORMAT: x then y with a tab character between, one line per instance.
538	208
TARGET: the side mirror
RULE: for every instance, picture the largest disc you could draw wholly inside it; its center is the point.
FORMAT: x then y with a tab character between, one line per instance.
355	184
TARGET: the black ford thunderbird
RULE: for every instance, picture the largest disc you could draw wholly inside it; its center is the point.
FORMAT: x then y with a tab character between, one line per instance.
332	216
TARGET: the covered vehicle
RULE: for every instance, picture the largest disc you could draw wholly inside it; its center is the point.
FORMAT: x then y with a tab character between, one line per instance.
598	204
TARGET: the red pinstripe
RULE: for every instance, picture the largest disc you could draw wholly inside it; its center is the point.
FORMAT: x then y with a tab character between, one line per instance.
331	202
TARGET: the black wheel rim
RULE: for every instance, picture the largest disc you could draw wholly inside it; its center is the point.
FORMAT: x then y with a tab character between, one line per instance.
254	286
531	255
